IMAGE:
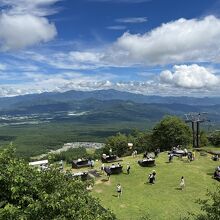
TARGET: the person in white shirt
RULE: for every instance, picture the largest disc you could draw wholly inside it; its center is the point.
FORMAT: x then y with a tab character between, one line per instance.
182	183
119	190
103	168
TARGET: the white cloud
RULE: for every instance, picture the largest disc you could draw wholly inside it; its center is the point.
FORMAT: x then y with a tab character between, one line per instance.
190	77
85	56
23	23
116	27
73	60
20	31
132	20
66	81
177	41
34	7
60	82
180	41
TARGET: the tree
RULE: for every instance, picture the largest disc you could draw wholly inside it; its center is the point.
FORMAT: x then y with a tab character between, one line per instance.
27	193
143	142
170	132
210	207
214	138
203	139
118	144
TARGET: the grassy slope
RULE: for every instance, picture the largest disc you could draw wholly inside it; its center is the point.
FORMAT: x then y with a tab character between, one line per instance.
163	200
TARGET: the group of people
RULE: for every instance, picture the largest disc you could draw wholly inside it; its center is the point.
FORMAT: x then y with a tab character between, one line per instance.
190	155
151	179
128	168
117	165
91	163
215	157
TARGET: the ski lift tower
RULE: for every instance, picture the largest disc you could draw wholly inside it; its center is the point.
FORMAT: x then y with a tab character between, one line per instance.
196	118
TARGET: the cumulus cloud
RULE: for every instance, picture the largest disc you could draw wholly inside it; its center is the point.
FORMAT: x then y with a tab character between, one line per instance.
23	23
167	84
190	77
20	31
36	82
59	84
177	41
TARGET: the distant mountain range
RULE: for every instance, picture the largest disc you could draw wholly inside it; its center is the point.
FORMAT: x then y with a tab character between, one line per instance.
104	105
8	102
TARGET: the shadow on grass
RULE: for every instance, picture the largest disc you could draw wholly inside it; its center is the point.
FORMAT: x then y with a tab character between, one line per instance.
114	195
104	180
186	161
178	188
147	183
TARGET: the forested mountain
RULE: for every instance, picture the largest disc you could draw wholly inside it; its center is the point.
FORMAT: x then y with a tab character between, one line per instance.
102	95
105	105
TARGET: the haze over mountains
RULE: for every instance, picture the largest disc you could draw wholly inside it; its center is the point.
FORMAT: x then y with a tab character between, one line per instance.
104	105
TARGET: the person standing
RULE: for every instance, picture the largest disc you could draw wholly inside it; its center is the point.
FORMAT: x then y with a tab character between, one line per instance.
92	163
152	177
103	168
119	190
128	168
170	157
193	155
182	183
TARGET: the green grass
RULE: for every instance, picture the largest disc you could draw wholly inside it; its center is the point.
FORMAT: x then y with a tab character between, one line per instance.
162	200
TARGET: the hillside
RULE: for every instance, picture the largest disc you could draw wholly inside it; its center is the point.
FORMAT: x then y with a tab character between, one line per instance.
102	95
164	199
95	110
40	122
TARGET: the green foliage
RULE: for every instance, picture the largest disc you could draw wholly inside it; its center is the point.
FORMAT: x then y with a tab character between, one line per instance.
210	207
145	217
203	139
170	132
33	140
143	142
98	153
119	143
214	138
26	193
71	154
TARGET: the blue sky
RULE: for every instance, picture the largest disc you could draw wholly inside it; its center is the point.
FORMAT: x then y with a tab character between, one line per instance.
153	47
